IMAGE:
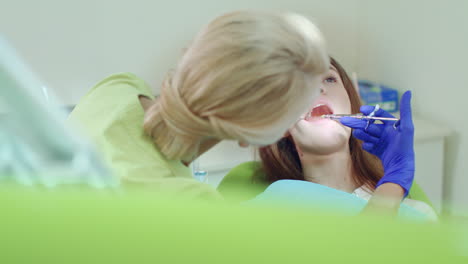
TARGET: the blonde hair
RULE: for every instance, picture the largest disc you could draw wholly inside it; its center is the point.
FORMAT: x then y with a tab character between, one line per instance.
244	77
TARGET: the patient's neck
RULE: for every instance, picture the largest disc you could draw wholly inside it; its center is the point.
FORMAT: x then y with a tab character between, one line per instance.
333	170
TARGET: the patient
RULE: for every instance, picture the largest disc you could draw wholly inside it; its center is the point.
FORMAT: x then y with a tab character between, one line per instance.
323	151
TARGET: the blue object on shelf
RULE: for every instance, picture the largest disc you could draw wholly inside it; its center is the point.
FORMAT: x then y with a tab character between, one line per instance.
372	94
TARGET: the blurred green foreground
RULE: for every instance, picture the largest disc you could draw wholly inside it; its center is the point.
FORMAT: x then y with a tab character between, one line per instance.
89	226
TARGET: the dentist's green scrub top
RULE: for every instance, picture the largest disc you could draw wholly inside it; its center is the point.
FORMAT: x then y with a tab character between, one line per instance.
110	114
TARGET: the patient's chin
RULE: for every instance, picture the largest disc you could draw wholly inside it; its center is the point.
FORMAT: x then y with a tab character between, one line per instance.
321	140
323	145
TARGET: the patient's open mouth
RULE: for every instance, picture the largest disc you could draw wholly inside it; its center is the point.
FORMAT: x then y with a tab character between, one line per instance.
318	111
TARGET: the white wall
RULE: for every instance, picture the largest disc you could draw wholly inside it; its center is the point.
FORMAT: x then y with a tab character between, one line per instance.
422	46
74	44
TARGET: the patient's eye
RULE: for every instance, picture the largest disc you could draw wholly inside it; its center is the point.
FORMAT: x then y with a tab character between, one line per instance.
330	79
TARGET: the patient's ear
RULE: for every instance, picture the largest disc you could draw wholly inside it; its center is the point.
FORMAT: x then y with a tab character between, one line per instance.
145	102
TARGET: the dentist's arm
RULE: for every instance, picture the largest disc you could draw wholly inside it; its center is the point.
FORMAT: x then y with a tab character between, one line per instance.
395	148
385	200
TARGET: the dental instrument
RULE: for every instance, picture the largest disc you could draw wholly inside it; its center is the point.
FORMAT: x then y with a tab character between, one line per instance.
370	118
359	116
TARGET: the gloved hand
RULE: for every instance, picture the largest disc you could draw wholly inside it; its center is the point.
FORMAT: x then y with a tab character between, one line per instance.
394	147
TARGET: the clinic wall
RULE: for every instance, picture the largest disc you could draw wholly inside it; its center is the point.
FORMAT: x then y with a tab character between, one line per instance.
422	46
74	44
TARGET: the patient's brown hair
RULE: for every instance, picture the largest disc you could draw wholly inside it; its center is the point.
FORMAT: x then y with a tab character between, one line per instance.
281	160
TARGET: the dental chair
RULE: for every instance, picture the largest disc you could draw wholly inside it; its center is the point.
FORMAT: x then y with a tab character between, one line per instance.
246	181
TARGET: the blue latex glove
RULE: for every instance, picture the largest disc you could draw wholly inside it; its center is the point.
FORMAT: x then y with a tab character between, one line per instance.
394	147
